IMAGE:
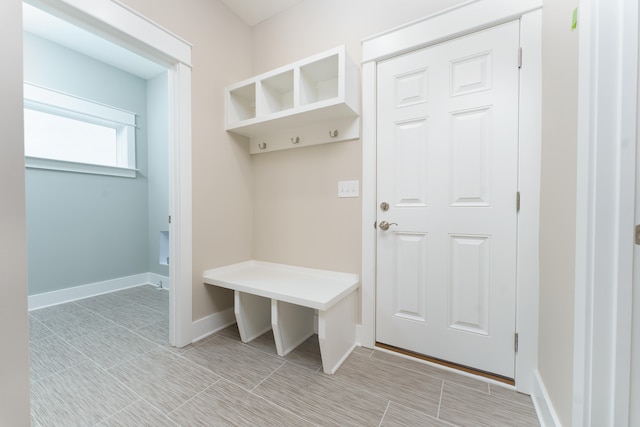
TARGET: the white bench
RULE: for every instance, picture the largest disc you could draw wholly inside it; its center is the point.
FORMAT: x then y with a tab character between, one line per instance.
284	298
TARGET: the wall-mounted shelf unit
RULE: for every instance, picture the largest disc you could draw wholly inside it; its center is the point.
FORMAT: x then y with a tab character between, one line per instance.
312	101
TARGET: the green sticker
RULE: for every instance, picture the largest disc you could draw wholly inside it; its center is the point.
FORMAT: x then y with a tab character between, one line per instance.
574	19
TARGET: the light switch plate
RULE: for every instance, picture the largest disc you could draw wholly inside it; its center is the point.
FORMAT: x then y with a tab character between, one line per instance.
349	188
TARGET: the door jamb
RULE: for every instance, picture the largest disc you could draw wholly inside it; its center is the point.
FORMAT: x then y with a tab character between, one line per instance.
454	22
121	25
605	198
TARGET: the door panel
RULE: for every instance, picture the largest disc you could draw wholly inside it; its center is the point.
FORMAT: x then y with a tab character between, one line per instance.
471	74
411	88
410	294
411	153
469	283
470	156
447	165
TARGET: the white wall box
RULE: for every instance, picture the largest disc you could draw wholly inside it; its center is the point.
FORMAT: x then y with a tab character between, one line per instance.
164	248
312	101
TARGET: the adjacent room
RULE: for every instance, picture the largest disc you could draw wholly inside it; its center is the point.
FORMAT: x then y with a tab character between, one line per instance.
96	150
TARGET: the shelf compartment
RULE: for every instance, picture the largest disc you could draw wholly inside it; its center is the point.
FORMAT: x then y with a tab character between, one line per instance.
319	80
276	93
306	101
242	103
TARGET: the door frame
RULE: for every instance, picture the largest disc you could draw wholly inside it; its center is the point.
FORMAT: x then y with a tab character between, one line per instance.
605	203
129	29
454	22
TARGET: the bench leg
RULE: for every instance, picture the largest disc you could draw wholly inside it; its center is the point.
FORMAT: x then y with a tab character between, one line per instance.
292	324
253	315
337	332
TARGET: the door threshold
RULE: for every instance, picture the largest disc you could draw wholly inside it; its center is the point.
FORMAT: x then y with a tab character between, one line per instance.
488	375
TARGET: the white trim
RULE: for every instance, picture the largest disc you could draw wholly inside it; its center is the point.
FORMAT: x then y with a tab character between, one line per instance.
529	160
605	197
464	20
369	212
52	100
65	166
211	324
88	290
119	23
584	250
180	202
634	388
127	28
547	415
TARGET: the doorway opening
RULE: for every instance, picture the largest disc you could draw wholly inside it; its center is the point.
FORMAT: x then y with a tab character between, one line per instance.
140	46
96	145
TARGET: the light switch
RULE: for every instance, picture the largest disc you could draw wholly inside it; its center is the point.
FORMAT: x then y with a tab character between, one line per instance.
349	188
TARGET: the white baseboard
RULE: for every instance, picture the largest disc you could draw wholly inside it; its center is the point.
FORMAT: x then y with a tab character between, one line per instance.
544	408
75	293
211	324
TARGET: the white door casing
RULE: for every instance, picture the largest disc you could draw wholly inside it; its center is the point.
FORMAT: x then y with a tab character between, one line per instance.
447	166
460	20
634	387
606	197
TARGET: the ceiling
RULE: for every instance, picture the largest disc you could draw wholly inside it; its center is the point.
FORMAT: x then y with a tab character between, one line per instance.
59	31
253	12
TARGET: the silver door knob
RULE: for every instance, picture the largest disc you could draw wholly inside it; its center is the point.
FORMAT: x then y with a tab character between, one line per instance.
384	225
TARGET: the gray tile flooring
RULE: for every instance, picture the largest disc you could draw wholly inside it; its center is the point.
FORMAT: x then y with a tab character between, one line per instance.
106	361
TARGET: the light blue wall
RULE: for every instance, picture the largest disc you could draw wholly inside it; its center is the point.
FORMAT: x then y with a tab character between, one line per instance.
84	228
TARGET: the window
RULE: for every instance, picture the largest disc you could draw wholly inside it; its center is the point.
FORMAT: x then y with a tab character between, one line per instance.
66	133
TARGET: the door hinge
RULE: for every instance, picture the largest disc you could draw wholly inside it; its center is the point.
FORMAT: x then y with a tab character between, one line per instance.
637	234
520	57
169	219
517	201
515	342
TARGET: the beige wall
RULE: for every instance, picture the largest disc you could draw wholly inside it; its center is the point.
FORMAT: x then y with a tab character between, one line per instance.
298	218
14	364
558	203
317	25
222	185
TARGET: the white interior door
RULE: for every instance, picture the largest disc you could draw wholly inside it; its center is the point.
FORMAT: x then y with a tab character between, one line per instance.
447	132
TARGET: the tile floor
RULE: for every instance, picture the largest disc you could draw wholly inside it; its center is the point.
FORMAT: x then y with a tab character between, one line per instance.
106	361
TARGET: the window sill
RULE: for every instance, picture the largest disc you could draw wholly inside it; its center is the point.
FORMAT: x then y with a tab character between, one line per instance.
65	166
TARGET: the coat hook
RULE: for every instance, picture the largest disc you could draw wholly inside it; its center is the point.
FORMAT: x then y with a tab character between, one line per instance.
295	141
333	134
262	146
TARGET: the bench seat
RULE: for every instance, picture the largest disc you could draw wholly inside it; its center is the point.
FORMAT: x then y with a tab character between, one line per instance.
285	298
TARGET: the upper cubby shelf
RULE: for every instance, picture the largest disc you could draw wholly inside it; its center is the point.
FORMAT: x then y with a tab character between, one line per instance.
312	101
